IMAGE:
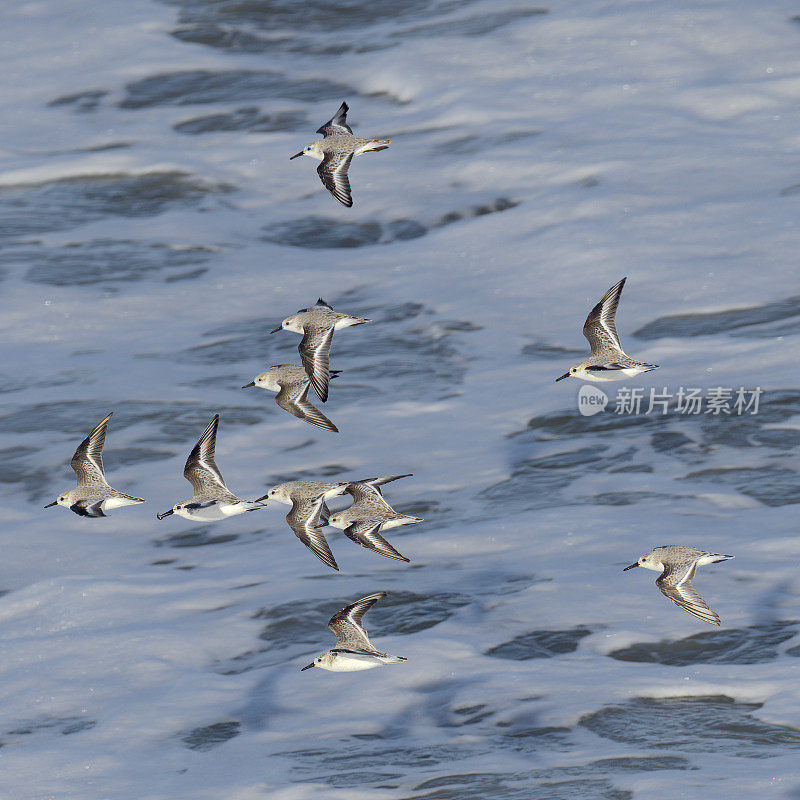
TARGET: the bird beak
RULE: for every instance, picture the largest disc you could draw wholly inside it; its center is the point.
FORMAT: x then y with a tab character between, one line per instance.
54	503
248	385
565	375
631	566
308	666
280	327
165	514
296	155
259	499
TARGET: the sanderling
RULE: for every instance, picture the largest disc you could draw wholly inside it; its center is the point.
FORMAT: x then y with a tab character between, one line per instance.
317	325
336	151
607	360
288	492
307	499
353	650
291	383
212	501
677	565
369	514
92	496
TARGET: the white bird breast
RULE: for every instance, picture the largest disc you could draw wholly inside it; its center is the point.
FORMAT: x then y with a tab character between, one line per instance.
605	376
212	513
352	662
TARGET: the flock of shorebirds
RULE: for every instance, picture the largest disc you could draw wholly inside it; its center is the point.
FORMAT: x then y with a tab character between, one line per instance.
369	513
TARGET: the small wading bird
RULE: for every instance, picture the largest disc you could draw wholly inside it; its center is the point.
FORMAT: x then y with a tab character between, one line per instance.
212	501
309	512
292	384
677	565
353	649
317	325
93	496
607	360
336	150
370	514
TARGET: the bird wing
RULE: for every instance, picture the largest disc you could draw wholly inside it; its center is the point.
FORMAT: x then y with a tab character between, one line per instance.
333	174
676	584
337	123
600	328
201	470
303	519
314	348
324	514
365	533
88	508
88	459
370	488
346	623
298	405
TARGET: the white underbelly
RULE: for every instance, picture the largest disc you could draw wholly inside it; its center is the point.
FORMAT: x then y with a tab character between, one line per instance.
110	503
212	513
352	662
607	375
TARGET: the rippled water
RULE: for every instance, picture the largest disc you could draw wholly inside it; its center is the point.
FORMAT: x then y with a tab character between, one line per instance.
152	232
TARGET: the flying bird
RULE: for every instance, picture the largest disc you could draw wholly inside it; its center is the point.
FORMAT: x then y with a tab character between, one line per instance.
92	497
317	325
369	514
212	500
291	384
353	651
677	565
309	512
607	360
336	150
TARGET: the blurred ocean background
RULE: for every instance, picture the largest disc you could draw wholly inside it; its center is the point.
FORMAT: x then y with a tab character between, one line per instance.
153	230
